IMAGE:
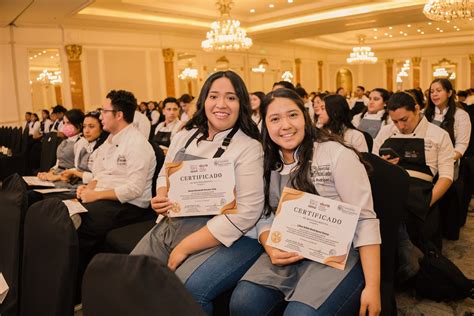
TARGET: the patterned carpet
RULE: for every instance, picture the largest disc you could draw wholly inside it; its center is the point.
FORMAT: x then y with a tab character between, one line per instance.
461	252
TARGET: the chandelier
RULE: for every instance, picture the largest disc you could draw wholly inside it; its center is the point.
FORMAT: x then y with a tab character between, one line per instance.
50	77
440	72
262	64
447	10
361	54
188	73
226	34
287	76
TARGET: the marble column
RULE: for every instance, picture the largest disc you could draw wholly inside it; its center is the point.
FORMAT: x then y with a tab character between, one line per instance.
59	96
320	75
471	58
168	54
415	61
74	52
389	64
298	70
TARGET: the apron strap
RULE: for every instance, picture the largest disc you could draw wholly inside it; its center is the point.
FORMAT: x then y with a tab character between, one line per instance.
226	142
224	145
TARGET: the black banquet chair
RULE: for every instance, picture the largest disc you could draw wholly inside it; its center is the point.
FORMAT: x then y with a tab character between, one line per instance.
117	284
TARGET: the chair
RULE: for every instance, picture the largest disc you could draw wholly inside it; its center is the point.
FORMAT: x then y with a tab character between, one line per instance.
50	260
49	145
389	184
116	284
13	203
124	239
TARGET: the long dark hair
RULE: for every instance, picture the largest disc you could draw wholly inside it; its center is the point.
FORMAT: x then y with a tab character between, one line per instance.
385	96
448	123
339	114
301	177
261	96
244	121
103	134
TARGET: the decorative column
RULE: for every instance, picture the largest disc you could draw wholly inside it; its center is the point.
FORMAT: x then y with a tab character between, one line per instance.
471	58
74	52
416	71
320	75
59	96
389	64
298	70
168	54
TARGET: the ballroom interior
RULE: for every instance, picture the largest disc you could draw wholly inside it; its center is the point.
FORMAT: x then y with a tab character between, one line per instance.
73	52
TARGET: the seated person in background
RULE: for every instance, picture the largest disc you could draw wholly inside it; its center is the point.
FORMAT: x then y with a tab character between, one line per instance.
122	168
256	99
69	148
27	119
317	106
424	150
153	113
335	118
93	137
166	130
283	85
142	123
187	106
34	127
359	102
375	115
45	124
57	125
307	103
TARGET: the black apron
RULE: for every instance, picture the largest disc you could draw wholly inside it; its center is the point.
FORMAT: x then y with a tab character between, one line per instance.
162	138
359	106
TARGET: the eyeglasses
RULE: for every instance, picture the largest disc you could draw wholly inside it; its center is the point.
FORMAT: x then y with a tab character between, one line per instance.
102	110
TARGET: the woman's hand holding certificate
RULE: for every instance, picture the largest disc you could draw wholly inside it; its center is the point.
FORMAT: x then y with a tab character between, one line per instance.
201	187
318	228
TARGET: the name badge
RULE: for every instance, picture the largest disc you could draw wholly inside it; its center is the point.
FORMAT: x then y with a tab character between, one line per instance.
318	228
201	187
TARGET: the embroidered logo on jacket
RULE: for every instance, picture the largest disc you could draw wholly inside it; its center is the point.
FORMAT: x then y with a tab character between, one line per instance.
121	160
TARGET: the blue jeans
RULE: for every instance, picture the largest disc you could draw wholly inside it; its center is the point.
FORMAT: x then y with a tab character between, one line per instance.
221	272
254	299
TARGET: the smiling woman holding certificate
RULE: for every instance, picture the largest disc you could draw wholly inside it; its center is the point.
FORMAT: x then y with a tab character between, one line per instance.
309	160
209	252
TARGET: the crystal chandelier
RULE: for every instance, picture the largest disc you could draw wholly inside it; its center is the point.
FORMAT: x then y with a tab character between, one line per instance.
50	77
361	54
188	73
226	34
447	10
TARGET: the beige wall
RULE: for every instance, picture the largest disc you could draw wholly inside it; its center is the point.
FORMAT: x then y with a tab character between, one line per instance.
116	59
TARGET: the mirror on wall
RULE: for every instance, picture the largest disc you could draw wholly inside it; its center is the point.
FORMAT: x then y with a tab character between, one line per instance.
45	76
445	69
188	74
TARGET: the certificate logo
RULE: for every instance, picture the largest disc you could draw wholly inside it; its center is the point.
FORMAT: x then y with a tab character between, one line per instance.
176	208
276	237
121	160
332	252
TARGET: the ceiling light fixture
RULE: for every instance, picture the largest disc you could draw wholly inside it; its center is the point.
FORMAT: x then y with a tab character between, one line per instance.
287	76
188	73
447	10
226	34
440	73
262	64
361	54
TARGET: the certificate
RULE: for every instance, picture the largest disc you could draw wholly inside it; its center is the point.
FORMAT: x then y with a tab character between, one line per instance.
318	228
201	187
74	207
36	182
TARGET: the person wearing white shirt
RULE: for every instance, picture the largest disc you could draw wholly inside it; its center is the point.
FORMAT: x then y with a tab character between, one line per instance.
27	120
308	104
300	156
335	118
57	125
34	127
424	150
443	111
153	114
187	106
359	102
209	254
375	115
123	166
256	99
46	123
142	124
166	130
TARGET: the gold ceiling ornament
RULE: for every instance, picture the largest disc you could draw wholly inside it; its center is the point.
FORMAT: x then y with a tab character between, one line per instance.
361	54
447	10
226	33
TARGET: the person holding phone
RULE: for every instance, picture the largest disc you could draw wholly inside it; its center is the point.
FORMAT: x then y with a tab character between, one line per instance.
308	159
424	150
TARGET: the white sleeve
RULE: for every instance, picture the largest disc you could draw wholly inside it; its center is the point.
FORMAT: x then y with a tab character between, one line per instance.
140	161
382	136
227	228
462	130
87	177
356	139
155	117
175	145
445	157
356	120
353	187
